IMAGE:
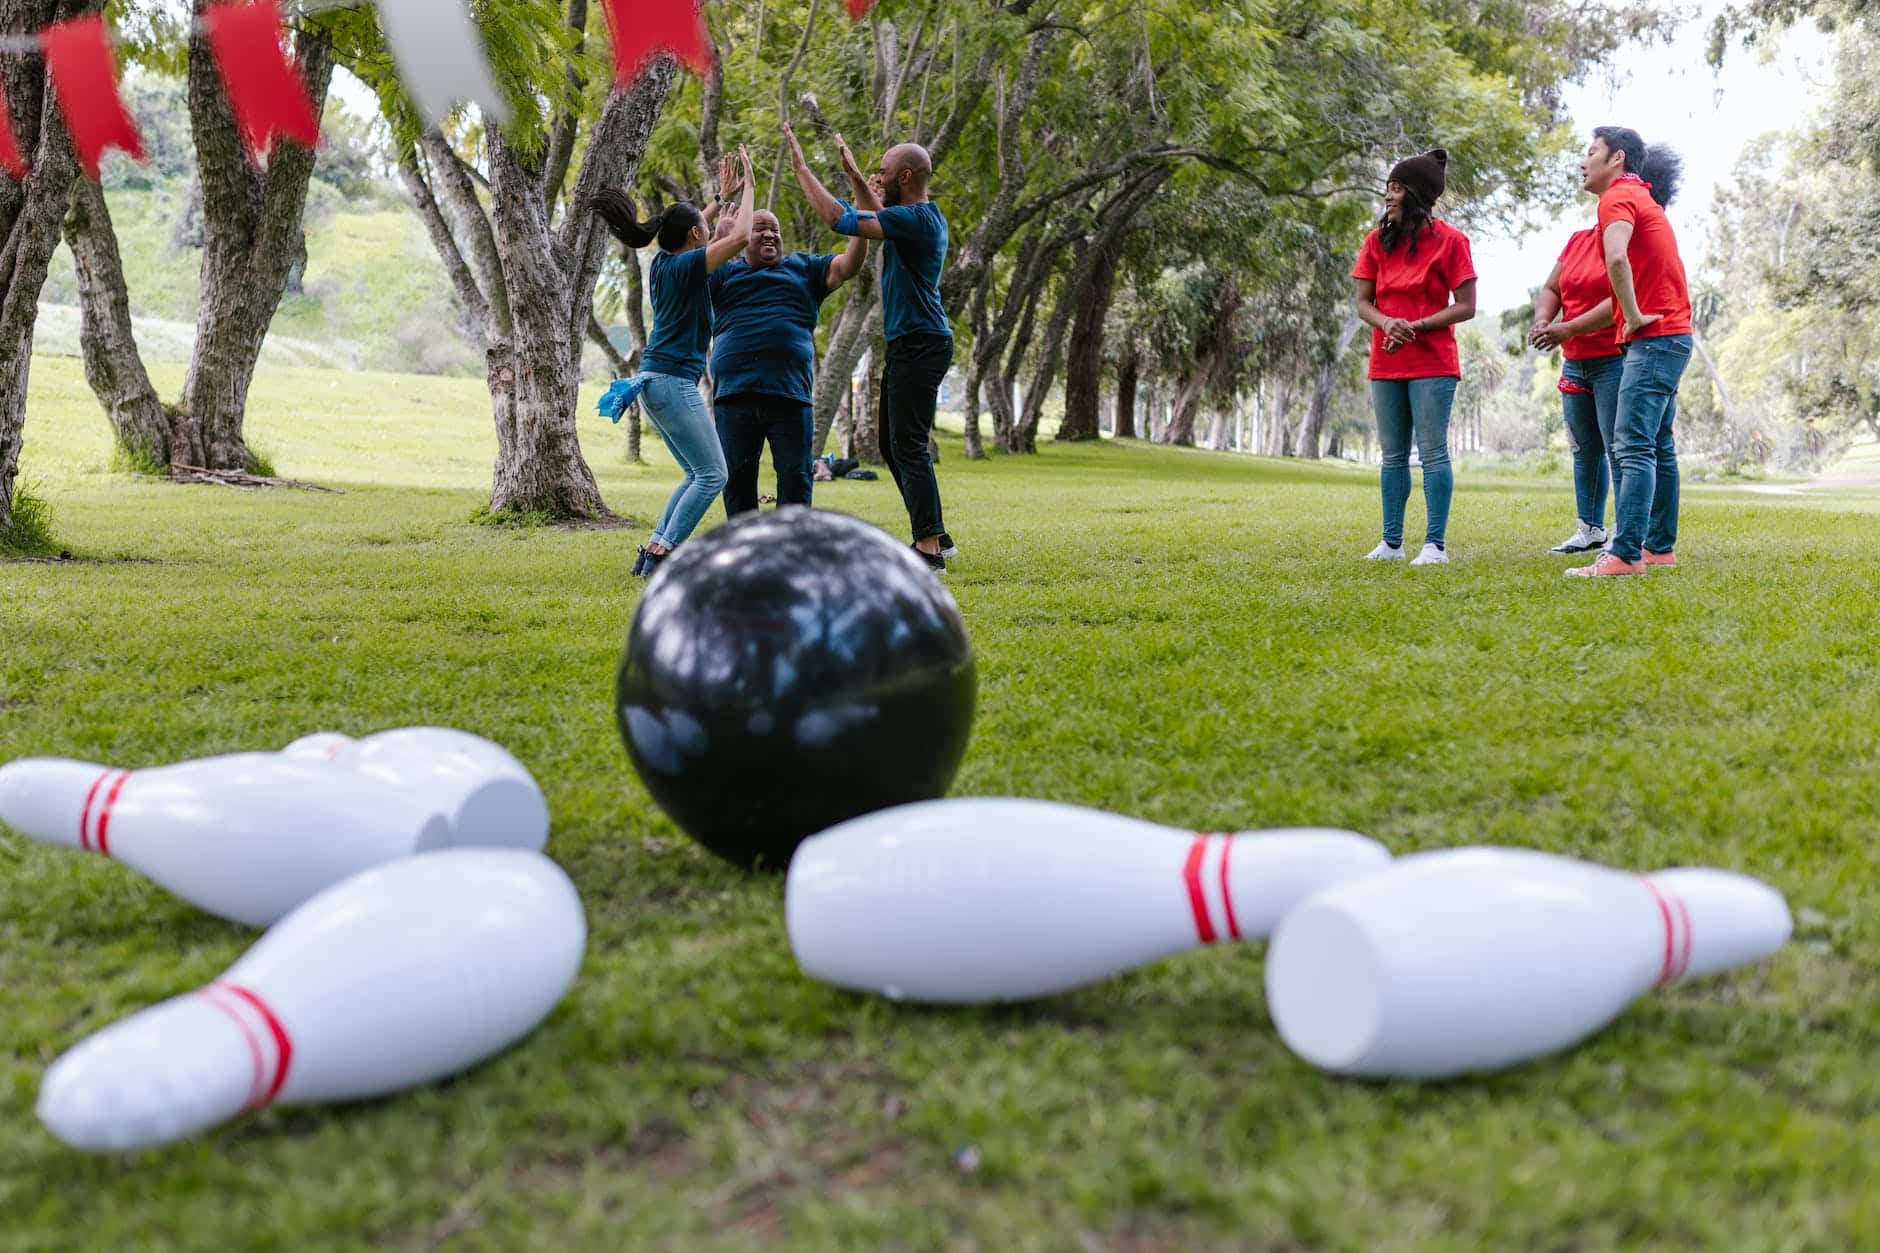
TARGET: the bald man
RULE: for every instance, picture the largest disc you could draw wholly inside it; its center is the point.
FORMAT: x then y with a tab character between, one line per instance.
765	305
894	207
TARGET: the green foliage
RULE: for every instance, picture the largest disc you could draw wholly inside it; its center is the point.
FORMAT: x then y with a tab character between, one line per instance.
1181	636
29	534
135	461
511	519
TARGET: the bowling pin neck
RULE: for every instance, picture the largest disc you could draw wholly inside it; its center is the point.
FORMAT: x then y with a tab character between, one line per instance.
167	1072
55	800
1714	920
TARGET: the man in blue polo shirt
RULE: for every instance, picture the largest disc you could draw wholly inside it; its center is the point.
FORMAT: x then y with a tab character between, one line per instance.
894	207
765	305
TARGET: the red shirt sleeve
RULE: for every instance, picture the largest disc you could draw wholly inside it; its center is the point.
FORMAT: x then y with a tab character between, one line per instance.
1459	266
1616	208
1367	259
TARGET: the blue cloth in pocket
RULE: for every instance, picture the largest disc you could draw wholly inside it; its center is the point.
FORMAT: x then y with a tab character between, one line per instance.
620	395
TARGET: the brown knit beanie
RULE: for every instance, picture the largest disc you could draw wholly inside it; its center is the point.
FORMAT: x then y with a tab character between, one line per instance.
1423	175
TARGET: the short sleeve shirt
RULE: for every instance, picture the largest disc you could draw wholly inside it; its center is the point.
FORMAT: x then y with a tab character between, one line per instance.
1657	269
1412	286
682	316
764	325
913	255
1583	284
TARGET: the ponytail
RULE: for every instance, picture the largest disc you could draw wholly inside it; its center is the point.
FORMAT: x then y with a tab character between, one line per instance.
1663	168
669	226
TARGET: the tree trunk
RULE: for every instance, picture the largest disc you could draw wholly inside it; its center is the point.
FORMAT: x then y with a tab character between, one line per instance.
30	216
1312	430
636	330
843	428
1181	427
1280	425
112	364
867	439
857	327
1128	367
252	235
1217	430
1083	369
975	401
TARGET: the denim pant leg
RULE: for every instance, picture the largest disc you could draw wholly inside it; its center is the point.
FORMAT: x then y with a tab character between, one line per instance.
1647	400
1591	469
1430	402
910	391
741	436
788	425
678	412
1661	533
1390	400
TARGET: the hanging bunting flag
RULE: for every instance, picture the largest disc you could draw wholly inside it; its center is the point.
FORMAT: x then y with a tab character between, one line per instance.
440	58
265	93
645	29
85	79
858	9
10	157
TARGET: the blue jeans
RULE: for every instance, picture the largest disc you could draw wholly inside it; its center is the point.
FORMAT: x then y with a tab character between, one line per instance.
1421	407
1646	514
1590	416
745	423
677	411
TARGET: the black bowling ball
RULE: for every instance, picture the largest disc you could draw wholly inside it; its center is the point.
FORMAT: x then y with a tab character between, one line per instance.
788	671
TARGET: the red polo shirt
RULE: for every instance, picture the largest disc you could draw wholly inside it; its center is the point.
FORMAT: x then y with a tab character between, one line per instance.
1412	287
1657	270
1583	284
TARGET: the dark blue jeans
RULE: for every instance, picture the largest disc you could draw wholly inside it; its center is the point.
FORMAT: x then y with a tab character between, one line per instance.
1418	407
1590	416
1646	515
746	423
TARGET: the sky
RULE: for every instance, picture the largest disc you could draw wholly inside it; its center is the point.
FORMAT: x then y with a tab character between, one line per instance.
1670	95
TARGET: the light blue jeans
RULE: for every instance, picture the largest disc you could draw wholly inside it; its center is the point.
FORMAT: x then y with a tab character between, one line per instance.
1418	407
678	412
1646	513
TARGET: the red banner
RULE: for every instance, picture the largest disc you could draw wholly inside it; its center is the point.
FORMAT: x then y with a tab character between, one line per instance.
645	28
10	156
265	93
85	80
858	9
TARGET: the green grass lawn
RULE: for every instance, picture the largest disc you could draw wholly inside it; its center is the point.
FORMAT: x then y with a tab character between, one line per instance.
1183	636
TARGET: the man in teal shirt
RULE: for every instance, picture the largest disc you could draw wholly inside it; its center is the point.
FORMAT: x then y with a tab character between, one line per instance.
895	208
765	305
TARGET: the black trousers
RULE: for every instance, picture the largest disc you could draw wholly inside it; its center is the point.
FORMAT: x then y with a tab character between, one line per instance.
745	424
910	391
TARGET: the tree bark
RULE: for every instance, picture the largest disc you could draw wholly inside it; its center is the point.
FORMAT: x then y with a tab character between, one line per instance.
1312	429
30	216
857	326
475	317
636	330
112	364
1181	427
1128	371
867	427
1083	375
252	235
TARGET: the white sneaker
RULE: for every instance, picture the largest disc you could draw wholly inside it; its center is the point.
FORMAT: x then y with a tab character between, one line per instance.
1584	539
1384	552
1431	556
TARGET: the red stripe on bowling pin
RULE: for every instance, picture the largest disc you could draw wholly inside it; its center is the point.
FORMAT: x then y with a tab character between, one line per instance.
104	812
1677	922
284	1055
1227	892
257	1082
84	815
1197	897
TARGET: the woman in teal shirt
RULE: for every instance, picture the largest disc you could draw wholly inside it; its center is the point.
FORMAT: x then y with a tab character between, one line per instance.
675	354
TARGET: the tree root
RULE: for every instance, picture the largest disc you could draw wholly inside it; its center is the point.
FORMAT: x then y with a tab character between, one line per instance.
239	478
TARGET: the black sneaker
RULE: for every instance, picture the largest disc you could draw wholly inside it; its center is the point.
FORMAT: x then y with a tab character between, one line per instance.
651	564
639	563
948	548
935	561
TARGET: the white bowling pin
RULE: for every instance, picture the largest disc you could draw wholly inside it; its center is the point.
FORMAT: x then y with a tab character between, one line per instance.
400	976
246	836
1474	959
974	900
488	796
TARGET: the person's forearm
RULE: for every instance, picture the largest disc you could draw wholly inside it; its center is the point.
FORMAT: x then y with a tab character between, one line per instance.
1598	318
1546	306
1369	315
1458	312
821	202
1619	271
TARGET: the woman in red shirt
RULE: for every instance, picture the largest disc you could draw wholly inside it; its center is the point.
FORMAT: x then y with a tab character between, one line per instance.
1406	272
1579	291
